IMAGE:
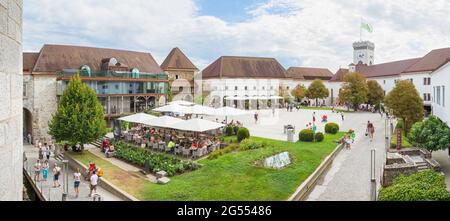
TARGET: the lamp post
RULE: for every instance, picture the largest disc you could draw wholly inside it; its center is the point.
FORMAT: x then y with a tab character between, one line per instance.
65	180
373	179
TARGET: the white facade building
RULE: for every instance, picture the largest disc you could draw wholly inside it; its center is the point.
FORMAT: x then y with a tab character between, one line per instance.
440	91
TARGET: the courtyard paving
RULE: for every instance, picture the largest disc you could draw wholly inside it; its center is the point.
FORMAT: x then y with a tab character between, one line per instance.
349	177
55	194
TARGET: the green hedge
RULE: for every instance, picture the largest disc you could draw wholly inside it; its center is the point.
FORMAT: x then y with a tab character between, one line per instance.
319	137
243	134
423	186
229	131
331	128
157	162
306	135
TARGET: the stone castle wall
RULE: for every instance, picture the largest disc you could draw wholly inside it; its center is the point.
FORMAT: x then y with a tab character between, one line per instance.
11	90
44	104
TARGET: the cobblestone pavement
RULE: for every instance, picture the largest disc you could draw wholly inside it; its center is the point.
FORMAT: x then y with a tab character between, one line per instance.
55	194
349	176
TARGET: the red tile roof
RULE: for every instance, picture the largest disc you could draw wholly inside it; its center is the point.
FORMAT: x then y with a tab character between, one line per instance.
306	73
339	76
244	67
431	62
54	58
29	61
177	60
386	69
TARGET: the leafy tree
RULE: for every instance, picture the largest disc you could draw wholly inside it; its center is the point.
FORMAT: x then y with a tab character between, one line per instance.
375	95
169	93
355	90
299	92
406	103
431	134
317	90
79	118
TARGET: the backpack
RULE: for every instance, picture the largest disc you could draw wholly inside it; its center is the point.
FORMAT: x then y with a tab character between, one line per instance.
99	172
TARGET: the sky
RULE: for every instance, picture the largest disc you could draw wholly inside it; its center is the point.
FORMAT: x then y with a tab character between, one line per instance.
309	33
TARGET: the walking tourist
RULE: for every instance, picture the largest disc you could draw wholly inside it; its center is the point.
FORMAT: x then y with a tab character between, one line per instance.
342	116
56	174
256	118
47	151
370	130
44	170
37	171
348	142
41	153
29	138
77	181
353	135
93	184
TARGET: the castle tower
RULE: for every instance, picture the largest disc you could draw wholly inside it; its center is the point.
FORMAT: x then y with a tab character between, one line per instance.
364	53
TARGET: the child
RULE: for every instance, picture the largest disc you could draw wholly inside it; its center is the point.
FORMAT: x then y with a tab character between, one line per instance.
347	142
353	135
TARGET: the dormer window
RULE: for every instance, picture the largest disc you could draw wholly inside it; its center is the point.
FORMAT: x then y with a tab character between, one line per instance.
113	62
85	70
135	73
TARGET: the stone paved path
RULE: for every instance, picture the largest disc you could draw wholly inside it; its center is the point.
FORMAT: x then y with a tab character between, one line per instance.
349	176
55	194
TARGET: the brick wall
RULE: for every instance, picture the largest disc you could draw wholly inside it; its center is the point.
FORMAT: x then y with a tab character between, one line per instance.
11	89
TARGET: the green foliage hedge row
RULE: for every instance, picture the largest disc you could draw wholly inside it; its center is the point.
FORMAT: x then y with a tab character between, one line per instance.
423	186
157	162
319	137
331	128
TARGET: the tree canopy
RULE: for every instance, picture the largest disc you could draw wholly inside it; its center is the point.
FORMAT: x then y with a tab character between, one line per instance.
317	90
355	90
406	103
79	118
375	95
299	92
431	134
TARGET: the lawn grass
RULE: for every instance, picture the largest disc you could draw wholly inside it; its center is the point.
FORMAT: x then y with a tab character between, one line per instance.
233	176
127	181
405	141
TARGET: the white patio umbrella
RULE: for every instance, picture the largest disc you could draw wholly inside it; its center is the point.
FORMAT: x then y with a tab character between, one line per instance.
174	108
229	112
140	118
181	102
202	110
163	122
197	125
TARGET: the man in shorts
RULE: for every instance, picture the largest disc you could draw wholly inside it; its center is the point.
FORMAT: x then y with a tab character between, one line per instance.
93	183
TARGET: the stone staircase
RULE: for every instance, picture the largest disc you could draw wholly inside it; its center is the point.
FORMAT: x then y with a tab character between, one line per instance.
421	166
98	143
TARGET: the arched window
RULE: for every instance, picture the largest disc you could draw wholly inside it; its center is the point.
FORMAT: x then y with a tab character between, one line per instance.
135	73
85	70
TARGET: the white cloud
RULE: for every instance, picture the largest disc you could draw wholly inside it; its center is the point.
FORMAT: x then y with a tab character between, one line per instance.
316	33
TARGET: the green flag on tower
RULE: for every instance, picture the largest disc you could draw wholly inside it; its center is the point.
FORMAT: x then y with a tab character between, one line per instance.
367	27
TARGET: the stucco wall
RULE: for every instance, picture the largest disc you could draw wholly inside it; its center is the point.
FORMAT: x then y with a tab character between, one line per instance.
11	89
441	78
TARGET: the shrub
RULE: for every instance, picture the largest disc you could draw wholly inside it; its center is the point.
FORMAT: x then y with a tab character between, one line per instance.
331	128
235	130
243	134
423	186
230	148
399	124
319	137
229	131
252	145
156	162
306	135
214	155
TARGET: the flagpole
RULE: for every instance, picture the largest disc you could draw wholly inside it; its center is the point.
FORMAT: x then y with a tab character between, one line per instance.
360	30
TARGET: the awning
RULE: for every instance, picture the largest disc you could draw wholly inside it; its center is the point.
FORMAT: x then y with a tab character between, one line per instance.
254	98
181	102
197	125
140	118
